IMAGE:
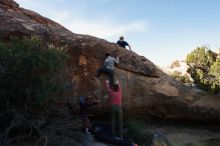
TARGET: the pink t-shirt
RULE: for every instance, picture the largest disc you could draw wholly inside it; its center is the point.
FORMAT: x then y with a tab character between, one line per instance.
114	95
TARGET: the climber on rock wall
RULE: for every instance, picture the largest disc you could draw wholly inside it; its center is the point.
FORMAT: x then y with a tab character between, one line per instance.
108	68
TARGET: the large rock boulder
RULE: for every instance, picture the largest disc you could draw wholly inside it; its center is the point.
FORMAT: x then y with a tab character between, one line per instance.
146	89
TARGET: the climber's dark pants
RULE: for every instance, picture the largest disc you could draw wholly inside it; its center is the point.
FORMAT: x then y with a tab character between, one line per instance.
107	71
117	120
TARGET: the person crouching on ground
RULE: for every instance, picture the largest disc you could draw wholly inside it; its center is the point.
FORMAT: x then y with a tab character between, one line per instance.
85	103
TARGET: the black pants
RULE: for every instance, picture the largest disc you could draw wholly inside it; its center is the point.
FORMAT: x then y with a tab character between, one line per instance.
109	72
117	120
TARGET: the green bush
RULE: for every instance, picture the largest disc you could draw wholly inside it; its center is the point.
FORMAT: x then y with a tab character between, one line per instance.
30	74
204	69
215	69
179	77
138	134
137	131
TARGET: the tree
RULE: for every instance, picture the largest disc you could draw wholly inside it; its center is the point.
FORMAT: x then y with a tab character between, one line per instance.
215	69
204	69
30	74
201	58
215	73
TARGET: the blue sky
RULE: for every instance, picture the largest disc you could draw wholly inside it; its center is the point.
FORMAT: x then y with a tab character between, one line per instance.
160	30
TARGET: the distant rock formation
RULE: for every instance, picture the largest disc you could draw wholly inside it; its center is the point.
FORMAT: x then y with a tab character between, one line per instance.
147	91
218	54
177	66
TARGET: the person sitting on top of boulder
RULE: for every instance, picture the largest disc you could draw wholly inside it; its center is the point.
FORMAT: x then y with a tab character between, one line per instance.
108	68
123	43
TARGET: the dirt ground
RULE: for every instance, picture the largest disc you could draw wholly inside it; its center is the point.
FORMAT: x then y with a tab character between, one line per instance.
189	136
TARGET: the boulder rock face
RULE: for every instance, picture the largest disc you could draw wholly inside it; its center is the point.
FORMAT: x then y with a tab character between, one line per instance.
147	91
